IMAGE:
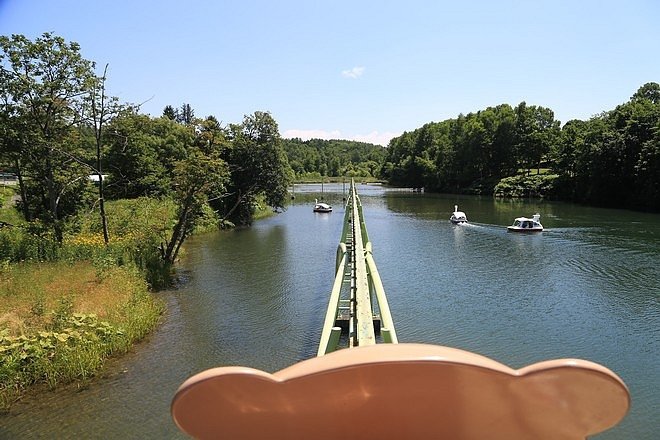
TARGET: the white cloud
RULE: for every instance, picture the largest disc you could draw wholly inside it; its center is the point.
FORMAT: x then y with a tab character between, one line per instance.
354	73
376	138
373	138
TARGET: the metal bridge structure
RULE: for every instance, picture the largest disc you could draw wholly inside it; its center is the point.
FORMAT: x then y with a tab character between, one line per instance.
363	383
358	305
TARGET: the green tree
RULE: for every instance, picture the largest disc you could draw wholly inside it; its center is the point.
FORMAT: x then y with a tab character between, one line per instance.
170	113
212	137
646	168
197	178
649	92
536	132
332	157
186	115
564	156
258	165
142	154
44	83
637	122
14	144
500	123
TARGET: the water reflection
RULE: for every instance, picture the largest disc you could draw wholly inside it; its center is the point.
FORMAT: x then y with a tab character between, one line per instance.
586	287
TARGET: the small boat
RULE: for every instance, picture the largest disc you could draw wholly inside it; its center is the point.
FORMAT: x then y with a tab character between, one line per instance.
524	224
321	207
458	216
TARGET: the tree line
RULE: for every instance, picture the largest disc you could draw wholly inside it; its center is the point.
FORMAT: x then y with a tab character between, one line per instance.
59	127
612	159
317	158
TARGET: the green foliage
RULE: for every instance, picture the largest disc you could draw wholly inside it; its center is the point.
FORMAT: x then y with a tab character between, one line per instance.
197	178
138	229
315	158
43	85
258	165
537	185
142	154
74	348
611	160
478	147
27	244
54	330
132	218
8	212
536	133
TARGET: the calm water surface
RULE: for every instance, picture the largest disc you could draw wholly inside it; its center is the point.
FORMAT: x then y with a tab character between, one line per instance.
587	287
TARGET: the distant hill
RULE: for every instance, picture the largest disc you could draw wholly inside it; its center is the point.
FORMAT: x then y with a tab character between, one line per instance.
334	158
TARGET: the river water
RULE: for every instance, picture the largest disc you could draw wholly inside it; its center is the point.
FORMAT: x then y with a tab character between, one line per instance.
587	287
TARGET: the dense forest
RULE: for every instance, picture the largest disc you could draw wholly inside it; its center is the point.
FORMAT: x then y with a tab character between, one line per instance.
612	159
315	158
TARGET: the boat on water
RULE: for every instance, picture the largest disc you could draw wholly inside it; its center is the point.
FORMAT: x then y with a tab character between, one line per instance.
321	207
524	224
458	216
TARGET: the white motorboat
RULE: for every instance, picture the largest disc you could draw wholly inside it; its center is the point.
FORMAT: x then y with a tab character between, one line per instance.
458	216
524	224
321	207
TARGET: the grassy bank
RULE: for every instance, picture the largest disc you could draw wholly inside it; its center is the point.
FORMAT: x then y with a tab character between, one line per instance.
65	308
70	319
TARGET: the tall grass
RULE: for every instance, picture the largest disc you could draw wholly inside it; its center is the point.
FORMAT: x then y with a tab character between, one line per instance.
69	320
137	229
65	307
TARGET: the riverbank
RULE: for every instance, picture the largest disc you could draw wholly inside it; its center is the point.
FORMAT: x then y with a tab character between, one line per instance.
65	309
60	321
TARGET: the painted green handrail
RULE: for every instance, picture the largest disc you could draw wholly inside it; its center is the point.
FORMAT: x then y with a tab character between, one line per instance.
383	306
355	265
333	307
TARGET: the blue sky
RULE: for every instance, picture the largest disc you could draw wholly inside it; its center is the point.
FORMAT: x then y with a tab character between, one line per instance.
364	70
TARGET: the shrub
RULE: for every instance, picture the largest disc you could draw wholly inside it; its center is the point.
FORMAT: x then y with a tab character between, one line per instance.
538	185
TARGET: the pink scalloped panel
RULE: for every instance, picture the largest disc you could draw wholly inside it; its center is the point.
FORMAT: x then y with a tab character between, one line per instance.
403	391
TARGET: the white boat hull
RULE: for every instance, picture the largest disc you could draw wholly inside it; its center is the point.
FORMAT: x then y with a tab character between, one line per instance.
524	224
519	229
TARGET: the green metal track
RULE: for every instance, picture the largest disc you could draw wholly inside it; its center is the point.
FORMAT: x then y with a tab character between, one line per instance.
357	284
